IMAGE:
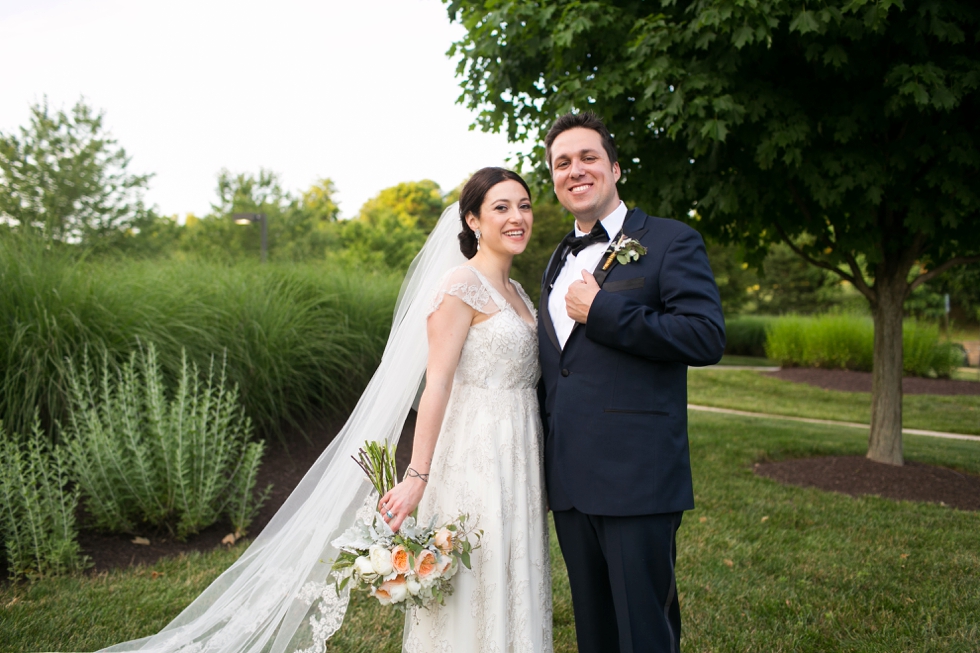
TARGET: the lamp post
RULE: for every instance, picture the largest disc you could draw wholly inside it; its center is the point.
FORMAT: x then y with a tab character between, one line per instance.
249	218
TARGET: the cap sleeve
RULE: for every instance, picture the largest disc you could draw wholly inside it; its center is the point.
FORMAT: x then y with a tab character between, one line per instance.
464	283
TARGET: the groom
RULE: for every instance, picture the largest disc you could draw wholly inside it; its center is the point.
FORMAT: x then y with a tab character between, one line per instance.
615	343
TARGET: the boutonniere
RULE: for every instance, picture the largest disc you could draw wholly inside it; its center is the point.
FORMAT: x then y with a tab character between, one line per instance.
624	250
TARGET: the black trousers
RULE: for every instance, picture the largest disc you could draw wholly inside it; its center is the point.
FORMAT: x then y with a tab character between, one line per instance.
621	571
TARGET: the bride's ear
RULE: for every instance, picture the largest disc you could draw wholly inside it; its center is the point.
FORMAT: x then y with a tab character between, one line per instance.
473	221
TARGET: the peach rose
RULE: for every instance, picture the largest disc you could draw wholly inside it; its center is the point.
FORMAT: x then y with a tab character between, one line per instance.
444	540
425	563
444	566
392	591
399	559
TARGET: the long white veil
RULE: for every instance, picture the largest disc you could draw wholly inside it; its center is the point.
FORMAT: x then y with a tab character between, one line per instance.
275	597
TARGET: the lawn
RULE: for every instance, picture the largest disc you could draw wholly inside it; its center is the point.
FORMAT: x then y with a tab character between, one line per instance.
755	392
748	361
966	374
761	566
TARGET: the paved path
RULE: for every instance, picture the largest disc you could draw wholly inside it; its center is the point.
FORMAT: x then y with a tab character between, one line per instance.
809	420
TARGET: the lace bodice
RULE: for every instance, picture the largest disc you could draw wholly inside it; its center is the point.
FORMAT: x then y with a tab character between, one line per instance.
487	463
500	352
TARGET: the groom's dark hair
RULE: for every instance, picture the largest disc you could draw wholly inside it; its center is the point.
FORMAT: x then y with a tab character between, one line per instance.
587	120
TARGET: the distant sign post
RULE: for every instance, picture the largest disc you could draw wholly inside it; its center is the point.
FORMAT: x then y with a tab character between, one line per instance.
250	218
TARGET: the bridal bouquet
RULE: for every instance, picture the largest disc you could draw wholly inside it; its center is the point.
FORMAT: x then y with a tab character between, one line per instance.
414	566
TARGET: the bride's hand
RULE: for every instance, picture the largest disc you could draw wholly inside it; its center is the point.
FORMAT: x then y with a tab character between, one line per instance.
401	501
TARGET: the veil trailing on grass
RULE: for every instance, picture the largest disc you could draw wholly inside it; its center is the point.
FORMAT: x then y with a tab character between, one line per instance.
276	597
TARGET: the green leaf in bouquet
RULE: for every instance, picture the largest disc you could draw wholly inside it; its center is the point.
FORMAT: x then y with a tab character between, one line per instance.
464	557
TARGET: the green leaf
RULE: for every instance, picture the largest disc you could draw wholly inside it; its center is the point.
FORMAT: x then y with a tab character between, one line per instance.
715	129
804	22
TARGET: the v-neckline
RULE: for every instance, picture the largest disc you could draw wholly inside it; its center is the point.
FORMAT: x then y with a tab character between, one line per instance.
520	293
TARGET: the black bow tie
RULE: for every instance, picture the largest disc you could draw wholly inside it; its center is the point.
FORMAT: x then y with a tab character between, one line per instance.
578	243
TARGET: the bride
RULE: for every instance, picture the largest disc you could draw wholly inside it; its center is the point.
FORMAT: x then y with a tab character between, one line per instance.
477	450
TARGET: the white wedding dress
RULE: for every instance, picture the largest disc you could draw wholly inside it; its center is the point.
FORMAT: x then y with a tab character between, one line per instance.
488	463
278	597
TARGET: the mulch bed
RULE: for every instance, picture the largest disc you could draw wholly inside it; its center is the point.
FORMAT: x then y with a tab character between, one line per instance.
849	381
856	476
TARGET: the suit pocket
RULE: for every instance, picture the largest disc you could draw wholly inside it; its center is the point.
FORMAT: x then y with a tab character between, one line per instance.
631	411
624	284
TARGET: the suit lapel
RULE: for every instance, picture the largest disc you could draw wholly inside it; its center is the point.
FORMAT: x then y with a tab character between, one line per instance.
554	267
633	227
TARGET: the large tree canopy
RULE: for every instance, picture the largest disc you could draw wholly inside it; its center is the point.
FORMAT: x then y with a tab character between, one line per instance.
65	177
846	129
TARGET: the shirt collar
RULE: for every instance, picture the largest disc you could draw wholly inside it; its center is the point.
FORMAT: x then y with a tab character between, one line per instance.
612	223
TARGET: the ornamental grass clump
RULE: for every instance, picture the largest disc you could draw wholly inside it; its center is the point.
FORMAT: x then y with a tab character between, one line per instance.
38	505
143	460
847	342
301	340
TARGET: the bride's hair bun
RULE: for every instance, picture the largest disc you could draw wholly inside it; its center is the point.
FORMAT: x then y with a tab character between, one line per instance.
471	199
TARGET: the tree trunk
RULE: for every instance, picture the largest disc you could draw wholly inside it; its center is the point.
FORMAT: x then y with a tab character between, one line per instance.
885	441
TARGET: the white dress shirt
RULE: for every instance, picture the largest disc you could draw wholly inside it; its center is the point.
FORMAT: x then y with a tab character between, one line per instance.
571	271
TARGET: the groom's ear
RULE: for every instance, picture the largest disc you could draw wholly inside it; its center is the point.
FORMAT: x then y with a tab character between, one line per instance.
617	172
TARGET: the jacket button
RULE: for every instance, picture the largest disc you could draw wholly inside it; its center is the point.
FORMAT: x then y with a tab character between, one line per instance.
565	372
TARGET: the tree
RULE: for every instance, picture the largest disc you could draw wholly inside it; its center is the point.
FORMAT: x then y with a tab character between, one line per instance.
65	177
392	226
789	284
846	129
412	203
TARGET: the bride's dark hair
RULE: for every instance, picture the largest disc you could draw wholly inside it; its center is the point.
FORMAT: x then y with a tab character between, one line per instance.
471	199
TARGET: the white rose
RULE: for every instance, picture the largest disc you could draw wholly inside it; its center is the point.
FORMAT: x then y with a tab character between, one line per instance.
364	566
398	591
413	586
381	560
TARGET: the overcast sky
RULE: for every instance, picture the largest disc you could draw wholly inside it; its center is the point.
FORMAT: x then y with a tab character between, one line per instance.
360	92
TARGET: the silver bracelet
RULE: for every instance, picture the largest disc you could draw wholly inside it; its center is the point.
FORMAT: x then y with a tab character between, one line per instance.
409	473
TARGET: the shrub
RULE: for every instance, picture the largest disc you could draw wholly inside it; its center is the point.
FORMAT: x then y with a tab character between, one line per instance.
38	507
140	459
746	336
300	340
847	342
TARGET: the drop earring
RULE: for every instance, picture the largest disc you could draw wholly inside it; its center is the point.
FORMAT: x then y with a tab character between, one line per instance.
477	233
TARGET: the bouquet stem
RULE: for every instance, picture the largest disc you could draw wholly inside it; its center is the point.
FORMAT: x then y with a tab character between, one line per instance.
378	462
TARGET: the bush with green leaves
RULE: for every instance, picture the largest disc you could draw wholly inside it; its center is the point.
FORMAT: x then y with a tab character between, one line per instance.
746	335
847	342
38	505
142	459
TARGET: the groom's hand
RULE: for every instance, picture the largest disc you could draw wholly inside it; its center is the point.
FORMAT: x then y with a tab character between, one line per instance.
580	295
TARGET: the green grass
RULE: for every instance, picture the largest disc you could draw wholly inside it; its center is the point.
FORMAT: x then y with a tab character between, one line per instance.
823	571
301	338
966	374
754	361
755	392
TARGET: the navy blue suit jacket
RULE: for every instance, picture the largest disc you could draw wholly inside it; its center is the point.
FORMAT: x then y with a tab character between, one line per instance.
614	401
